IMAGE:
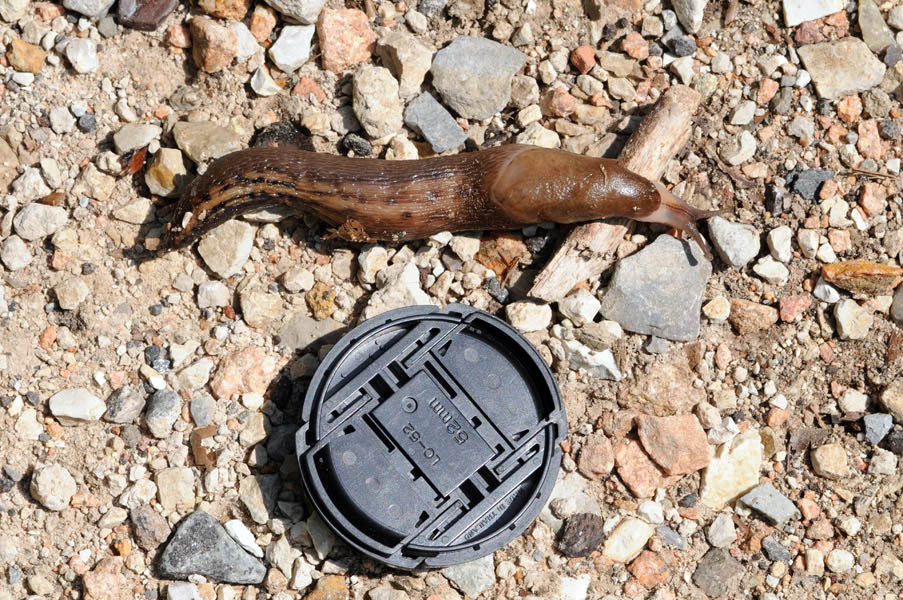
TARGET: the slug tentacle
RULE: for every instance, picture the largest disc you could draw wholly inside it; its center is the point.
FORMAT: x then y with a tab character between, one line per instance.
676	213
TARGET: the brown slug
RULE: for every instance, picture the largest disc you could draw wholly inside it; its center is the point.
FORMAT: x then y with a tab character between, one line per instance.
504	187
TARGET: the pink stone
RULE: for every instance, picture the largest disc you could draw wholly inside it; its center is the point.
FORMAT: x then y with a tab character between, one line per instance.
873	199
678	444
250	369
583	59
869	144
213	46
346	38
793	307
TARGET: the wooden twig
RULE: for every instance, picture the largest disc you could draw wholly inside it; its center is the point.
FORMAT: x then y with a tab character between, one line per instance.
589	249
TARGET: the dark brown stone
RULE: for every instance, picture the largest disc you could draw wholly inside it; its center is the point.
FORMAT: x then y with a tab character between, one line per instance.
582	535
145	14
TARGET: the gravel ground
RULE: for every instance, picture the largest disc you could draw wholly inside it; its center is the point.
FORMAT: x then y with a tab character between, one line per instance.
735	428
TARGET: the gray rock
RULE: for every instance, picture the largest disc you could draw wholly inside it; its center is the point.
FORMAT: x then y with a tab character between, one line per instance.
807	183
182	590
302	330
875	32
472	578
125	405
658	291
797	11
842	67
163	409
212	294
376	102
431	8
202	407
203	140
771	504
76	405
736	243
292	48
89	8
670	538
303	11
135	135
200	546
14	253
689	12
37	220
407	58
82	55
429	118
717	573
258	493
877	426
775	551
473	75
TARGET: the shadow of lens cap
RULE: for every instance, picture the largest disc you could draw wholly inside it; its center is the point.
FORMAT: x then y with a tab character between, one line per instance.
431	437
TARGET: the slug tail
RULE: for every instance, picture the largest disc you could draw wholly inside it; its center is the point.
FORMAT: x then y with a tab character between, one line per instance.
676	213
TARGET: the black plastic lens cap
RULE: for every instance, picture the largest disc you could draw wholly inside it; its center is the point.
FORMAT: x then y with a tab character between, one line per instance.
431	437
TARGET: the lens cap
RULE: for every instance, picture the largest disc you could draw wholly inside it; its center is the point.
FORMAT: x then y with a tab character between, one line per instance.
431	437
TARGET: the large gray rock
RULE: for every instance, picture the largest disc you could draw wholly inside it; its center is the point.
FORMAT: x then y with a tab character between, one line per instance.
200	546
842	67
658	291
473	75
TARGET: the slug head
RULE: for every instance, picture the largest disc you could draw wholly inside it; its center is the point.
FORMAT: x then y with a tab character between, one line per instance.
676	213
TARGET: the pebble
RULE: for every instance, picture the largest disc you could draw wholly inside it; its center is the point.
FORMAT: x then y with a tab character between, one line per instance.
166	175
645	297
748	317
13	10
839	561
775	551
627	540
75	406
718	573
292	48
263	84
537	135
875	32
400	287
247	44
528	316
82	55
408	60
71	292
200	546
852	401
733	470
830	461
175	488
736	243
721	533
52	486
740	149
15	254
136	212
877	426
61	120
258	494
472	578
771	271
891	399
243	536
213	46
135	135
35	220
151	528
580	307
345	38
163	410
376	102
427	117
883	462
771	504
689	13
303	11
212	294
798	11
226	248
651	512
678	443
743	113
249	369
143	14
202	140
89	8
853	321
779	243
30	185
182	590
599	364
473	76
842	67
